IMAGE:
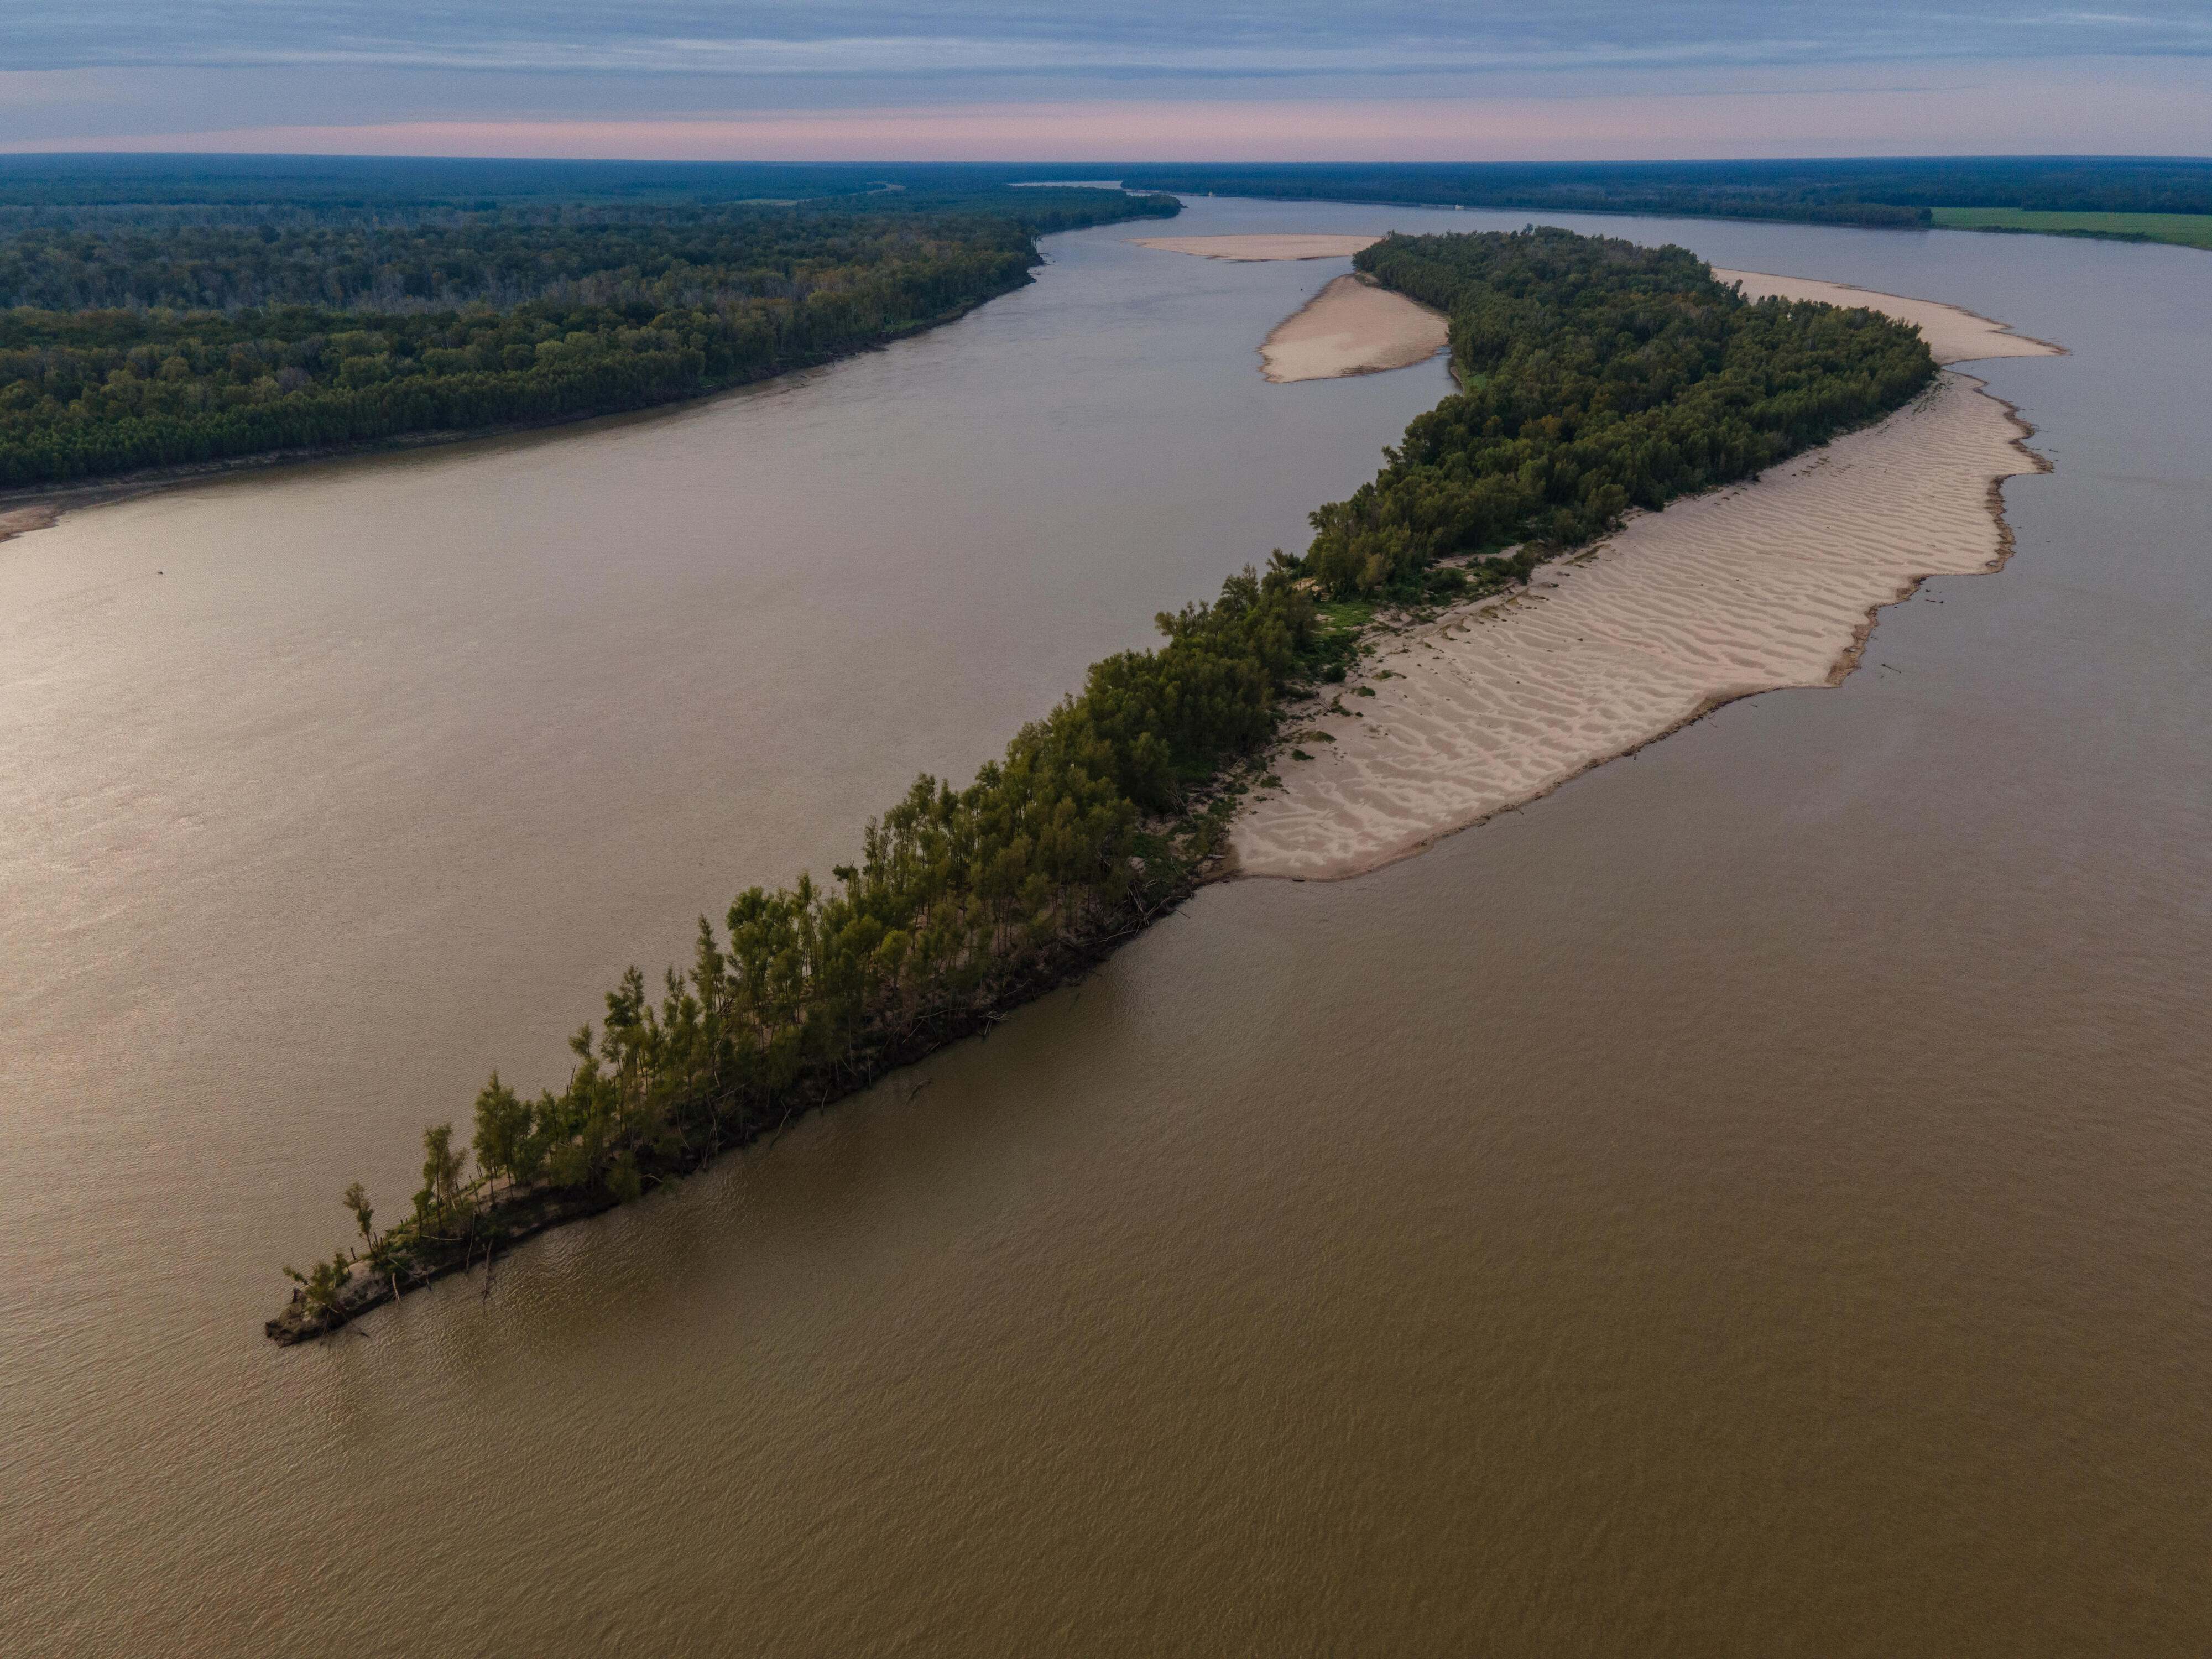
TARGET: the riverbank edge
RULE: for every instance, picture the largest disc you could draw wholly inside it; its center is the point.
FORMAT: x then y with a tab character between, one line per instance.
41	507
51	502
1847	660
2140	238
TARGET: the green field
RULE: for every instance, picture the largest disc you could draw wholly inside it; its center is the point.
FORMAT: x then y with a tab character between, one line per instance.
2187	229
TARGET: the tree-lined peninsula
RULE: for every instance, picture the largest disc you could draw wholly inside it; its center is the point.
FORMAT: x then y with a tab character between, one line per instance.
1597	376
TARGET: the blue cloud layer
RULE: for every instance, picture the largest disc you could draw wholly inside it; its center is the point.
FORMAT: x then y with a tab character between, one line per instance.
1285	40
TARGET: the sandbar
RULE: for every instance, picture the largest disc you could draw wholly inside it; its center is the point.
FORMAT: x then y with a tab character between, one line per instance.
1749	588
1259	248
1953	334
1353	327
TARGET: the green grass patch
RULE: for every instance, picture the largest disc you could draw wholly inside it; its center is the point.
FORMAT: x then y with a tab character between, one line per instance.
2183	229
1345	615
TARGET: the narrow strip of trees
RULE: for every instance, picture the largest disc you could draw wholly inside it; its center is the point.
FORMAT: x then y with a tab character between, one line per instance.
962	903
1600	376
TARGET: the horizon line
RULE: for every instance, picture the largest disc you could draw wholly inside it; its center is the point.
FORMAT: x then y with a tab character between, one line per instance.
20	153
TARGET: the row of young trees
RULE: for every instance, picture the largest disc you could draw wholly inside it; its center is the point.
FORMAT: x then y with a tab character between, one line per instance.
543	318
961	902
1597	376
1602	375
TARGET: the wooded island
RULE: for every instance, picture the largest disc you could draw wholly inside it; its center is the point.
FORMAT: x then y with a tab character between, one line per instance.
1597	377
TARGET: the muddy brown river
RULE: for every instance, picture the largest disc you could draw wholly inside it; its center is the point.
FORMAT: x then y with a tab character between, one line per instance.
1756	1200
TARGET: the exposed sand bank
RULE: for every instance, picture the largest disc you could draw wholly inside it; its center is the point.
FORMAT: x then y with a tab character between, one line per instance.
1763	584
1353	327
1953	334
1261	248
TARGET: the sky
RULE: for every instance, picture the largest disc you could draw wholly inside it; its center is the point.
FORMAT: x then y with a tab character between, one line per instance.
1127	79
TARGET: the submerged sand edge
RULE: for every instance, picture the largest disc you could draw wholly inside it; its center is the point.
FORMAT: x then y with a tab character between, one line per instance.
22	521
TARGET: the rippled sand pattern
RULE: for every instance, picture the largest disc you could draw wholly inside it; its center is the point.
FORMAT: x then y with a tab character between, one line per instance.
1773	583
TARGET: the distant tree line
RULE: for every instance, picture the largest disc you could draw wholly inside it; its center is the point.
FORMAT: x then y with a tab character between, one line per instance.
1601	375
418	258
400	185
134	344
1894	194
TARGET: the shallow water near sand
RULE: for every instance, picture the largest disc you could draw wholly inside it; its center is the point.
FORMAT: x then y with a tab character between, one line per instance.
1754	1200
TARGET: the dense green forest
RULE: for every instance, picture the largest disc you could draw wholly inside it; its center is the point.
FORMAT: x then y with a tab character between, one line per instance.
1598	376
1602	375
258	184
1898	193
142	336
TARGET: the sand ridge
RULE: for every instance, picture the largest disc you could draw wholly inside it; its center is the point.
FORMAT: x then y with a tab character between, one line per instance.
1756	587
1245	248
1953	334
1353	327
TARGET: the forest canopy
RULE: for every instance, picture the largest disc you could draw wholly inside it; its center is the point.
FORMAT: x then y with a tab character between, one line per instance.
155	335
1597	376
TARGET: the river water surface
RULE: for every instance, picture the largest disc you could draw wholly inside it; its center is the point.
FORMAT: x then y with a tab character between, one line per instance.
1757	1200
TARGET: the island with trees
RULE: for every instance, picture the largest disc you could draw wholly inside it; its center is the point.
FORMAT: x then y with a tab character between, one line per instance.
1596	377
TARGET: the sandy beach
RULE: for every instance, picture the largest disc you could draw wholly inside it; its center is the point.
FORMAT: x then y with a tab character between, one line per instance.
1757	587
1953	334
1353	327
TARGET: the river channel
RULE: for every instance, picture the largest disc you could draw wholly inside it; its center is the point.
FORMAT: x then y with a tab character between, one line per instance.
1756	1200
